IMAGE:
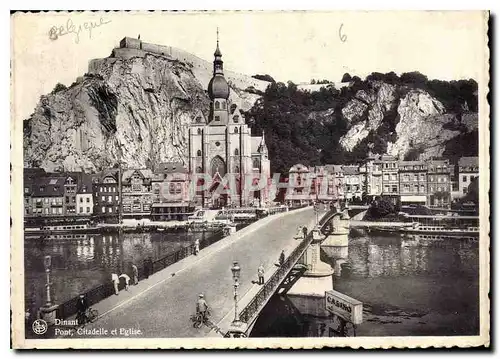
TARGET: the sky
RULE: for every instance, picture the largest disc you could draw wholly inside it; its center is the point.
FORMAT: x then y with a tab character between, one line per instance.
297	46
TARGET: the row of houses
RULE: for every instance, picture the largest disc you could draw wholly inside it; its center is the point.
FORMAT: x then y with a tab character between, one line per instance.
108	195
435	182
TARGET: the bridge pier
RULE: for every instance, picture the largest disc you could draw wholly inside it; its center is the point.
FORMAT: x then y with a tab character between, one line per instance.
336	244
308	293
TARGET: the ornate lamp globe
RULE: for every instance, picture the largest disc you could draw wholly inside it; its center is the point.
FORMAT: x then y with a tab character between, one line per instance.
235	269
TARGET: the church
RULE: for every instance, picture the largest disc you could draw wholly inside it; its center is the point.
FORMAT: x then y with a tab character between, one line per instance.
223	144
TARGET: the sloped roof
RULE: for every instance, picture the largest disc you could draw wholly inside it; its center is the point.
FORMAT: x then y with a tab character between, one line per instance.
85	181
255	142
171	167
49	186
468	162
351	170
298	168
145	173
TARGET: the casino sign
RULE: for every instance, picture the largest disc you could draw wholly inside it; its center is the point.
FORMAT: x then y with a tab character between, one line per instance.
344	306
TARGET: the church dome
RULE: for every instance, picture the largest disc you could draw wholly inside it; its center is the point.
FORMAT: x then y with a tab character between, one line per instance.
218	87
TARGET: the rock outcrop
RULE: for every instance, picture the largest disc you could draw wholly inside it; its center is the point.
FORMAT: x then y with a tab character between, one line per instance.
131	108
413	120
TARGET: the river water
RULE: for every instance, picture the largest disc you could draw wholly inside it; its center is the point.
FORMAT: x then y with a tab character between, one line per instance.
79	265
408	286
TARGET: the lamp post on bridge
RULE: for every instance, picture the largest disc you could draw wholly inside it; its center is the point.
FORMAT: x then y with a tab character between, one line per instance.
237	328
48	311
235	269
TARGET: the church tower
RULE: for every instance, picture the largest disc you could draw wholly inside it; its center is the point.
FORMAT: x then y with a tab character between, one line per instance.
223	145
218	91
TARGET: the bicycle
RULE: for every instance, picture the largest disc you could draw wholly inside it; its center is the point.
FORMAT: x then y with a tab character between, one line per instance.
90	316
199	319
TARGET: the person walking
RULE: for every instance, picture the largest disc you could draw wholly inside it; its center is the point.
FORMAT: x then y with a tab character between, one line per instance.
196	246
282	257
127	280
145	264
115	280
304	231
135	274
260	272
81	309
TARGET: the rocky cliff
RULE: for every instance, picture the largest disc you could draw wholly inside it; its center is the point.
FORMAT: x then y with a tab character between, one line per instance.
132	108
407	118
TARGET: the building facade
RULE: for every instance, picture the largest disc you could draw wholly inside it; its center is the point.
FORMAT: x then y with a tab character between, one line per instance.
336	180
106	196
85	196
353	184
170	193
222	145
390	177
468	169
439	183
300	182
372	176
413	182
48	196
137	198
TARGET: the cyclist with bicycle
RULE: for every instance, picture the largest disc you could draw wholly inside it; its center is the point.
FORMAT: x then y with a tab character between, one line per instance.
202	308
81	309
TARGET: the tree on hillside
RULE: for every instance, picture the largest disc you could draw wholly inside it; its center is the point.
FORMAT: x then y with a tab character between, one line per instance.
265	77
380	208
346	77
59	87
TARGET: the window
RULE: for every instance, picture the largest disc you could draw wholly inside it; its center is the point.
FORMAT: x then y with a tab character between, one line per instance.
406	178
386	177
59	210
171	188
236	152
464	178
217	118
223	105
109	198
110	209
394	189
422	176
386	188
88	200
394	177
88	209
236	169
45	200
236	130
116	198
440	189
464	190
81	209
236	119
407	188
42	189
100	189
217	105
26	190
198	153
81	200
422	188
103	209
444	179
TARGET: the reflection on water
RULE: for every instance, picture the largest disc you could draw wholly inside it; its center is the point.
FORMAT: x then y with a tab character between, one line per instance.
408	286
81	264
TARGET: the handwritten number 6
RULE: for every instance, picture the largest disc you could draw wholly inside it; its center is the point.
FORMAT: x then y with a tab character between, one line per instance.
342	37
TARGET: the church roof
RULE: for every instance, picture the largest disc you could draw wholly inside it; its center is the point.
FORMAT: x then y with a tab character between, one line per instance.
218	87
255	143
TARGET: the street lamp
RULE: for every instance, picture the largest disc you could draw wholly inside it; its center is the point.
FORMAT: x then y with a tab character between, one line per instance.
47	263
235	269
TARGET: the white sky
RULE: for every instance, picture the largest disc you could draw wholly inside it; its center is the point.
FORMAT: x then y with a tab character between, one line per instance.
295	46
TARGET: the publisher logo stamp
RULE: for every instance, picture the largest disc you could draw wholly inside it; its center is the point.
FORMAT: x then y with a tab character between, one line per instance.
39	327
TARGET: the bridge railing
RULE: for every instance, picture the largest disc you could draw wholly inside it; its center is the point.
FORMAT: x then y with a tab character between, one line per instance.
272	284
103	291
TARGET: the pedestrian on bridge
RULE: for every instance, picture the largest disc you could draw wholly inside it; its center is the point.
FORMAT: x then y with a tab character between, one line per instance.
196	246
260	272
304	231
115	280
127	280
135	274
282	257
